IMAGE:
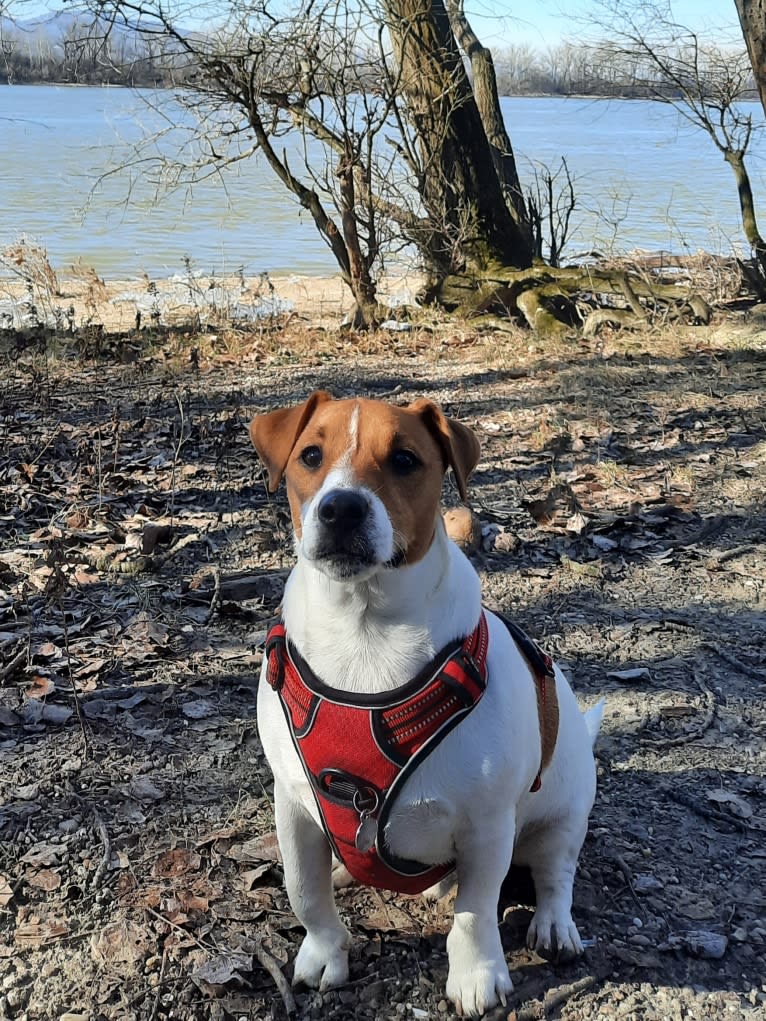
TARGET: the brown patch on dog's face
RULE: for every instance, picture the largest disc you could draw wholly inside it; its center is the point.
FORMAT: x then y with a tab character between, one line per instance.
395	457
390	451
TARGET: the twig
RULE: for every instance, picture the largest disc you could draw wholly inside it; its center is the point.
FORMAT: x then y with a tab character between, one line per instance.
727	821
271	965
556	997
106	856
186	540
55	588
671	742
156	1004
538	1011
737	664
9	668
215	601
176	455
627	875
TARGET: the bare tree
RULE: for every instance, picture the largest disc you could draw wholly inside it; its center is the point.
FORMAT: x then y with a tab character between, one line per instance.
366	112
413	150
704	82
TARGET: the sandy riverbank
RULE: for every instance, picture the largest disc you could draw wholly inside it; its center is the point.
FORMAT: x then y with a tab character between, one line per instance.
85	299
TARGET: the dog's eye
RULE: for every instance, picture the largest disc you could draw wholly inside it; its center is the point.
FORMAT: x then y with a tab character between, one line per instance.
312	457
404	462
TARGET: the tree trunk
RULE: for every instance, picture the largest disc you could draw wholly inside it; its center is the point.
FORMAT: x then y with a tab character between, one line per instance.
752	18
488	104
736	160
471	225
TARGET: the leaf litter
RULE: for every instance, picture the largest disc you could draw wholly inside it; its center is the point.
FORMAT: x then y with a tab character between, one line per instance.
621	501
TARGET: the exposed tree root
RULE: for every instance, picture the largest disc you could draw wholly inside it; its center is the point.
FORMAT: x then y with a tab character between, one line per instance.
554	301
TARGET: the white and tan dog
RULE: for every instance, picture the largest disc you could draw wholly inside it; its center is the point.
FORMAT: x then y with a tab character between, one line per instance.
377	591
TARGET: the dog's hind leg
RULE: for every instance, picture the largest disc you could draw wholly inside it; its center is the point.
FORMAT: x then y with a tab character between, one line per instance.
552	857
322	960
478	973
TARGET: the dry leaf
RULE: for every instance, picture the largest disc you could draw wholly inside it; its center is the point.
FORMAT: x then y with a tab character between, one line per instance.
263	848
389	918
555	509
56	713
45	879
43	854
28	791
224	833
200	709
40	687
247	879
77	519
121	944
639	673
176	863
83	576
192	902
36	933
223	968
143	789
736	804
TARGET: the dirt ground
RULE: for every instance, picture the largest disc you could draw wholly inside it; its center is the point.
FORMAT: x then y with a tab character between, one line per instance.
621	492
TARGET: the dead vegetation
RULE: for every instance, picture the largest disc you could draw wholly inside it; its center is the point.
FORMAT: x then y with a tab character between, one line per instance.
621	494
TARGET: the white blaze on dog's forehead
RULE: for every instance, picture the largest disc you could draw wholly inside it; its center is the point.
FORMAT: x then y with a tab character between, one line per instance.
353	428
353	438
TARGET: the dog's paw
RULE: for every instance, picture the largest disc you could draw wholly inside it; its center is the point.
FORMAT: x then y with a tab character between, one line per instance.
476	990
553	934
321	965
478	974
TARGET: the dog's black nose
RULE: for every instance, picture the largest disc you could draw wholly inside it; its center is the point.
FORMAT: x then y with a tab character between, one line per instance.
343	509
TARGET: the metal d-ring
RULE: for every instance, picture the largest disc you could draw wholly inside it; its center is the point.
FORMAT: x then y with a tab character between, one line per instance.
365	801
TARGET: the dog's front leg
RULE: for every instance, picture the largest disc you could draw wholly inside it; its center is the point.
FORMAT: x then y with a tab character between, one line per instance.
478	972
322	960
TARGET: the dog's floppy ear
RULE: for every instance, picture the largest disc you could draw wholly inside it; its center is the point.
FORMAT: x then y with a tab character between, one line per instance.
274	435
459	445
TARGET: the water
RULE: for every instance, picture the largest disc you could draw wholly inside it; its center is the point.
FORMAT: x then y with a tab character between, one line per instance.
644	178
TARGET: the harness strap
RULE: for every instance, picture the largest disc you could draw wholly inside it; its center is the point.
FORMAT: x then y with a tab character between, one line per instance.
541	666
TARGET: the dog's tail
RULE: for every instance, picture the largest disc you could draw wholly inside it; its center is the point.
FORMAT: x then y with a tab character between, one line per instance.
593	718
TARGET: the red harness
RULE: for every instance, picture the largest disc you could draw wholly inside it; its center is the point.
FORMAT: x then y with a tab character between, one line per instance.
357	749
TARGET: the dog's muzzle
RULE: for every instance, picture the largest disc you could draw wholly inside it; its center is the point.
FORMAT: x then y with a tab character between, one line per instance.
344	520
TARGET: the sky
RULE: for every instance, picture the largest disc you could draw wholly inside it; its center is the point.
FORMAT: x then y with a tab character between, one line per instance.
543	23
498	23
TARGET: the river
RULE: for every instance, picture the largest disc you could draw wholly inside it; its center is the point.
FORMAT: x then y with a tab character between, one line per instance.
643	178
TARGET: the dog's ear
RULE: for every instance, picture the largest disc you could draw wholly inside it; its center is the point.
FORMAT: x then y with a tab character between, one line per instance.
459	445
274	435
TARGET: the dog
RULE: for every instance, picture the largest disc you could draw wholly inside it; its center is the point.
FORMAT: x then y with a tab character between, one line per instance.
478	753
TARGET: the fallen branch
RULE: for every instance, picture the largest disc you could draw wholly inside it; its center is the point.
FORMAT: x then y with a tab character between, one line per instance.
271	965
737	664
720	818
538	1010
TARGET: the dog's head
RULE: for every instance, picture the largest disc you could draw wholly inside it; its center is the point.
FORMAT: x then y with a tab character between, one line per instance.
363	477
